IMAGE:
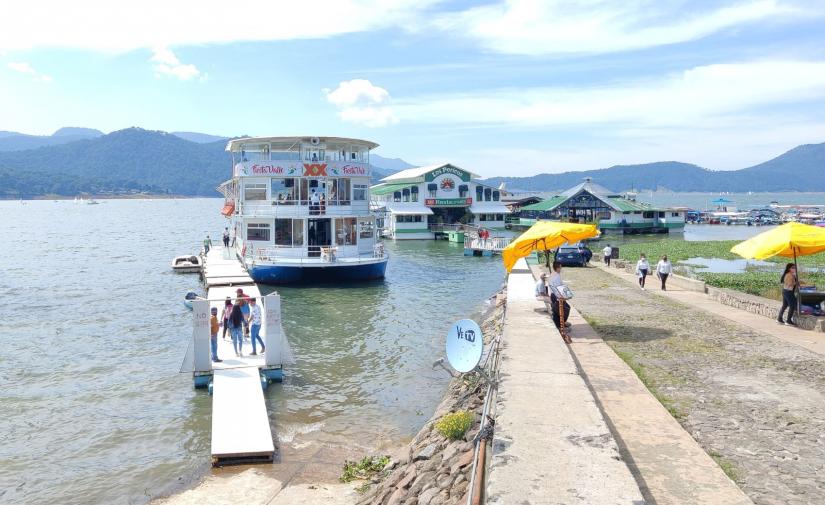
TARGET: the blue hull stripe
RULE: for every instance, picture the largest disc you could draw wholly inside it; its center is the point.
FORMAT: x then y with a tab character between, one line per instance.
279	274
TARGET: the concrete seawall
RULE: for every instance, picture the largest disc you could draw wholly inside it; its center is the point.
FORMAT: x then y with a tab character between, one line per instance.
552	444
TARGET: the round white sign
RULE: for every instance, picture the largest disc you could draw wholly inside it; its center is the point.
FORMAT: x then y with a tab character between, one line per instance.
464	345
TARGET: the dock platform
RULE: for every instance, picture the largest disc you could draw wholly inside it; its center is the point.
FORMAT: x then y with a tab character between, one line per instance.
474	246
222	268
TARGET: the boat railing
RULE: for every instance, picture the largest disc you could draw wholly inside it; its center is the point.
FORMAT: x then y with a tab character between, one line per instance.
486	244
303	210
313	254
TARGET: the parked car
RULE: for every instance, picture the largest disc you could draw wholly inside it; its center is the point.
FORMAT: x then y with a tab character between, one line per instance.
575	255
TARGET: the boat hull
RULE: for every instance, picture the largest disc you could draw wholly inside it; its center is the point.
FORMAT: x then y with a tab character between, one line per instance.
288	274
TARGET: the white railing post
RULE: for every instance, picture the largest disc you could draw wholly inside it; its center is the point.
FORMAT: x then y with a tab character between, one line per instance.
200	336
271	330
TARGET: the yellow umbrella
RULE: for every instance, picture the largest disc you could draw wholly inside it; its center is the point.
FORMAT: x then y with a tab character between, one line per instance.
545	235
789	240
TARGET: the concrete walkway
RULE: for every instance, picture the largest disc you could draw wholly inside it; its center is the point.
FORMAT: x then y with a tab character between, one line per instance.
813	341
669	464
551	445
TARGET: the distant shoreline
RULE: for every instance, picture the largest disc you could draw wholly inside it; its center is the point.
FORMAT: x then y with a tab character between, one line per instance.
107	197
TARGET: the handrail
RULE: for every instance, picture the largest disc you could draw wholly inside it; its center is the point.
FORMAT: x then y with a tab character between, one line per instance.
488	244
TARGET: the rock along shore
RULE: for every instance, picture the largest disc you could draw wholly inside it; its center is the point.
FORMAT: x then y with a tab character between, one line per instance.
433	470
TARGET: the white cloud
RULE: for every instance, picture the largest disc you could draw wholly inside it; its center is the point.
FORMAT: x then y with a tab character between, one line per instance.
166	63
108	26
25	68
544	27
704	94
360	101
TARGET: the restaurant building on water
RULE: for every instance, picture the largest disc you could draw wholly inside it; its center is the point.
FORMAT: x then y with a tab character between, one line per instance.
418	202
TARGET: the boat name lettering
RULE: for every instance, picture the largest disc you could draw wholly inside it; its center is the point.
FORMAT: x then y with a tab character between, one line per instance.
447	201
267	169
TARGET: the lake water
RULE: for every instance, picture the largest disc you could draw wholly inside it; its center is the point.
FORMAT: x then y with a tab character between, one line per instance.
93	407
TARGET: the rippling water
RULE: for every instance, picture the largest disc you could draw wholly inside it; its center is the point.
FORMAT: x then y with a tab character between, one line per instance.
93	407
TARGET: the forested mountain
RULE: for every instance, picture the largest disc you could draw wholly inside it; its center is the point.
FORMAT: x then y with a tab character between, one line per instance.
13	141
800	169
125	161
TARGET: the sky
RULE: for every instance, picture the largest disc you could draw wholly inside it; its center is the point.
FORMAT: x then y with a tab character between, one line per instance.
512	87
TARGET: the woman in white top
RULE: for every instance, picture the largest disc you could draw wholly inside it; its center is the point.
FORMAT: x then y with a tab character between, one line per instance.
642	268
607	252
663	269
555	282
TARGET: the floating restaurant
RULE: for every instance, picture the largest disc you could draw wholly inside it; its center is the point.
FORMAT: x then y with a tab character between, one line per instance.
590	203
299	208
418	202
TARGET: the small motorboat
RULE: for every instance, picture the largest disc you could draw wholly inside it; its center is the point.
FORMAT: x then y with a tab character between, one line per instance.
190	297
186	264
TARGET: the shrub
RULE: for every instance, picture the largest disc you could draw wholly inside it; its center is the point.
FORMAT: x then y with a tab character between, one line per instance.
364	469
454	425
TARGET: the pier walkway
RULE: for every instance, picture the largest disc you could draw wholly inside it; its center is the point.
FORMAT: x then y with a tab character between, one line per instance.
551	444
222	268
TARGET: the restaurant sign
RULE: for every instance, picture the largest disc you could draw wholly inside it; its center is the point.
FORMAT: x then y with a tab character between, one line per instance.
447	169
447	202
295	169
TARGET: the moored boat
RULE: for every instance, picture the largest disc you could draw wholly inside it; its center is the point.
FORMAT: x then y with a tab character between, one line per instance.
299	209
186	264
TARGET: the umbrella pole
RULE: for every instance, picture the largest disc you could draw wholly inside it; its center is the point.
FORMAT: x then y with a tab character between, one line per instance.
547	258
796	287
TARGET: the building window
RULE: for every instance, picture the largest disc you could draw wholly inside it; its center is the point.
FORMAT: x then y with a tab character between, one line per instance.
396	197
637	212
479	193
499	217
431	189
496	196
674	214
255	192
488	194
257	231
359	192
345	231
647	215
463	191
405	195
414	193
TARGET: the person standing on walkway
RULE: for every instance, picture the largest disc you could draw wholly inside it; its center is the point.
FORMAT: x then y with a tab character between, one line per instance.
214	326
227	311
243	301
255	325
789	285
642	268
236	329
207	244
663	269
555	302
607	252
226	237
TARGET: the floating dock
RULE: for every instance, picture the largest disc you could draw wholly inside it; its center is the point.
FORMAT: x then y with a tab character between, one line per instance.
474	246
240	424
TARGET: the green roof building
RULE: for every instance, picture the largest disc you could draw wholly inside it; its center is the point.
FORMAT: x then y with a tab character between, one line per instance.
590	203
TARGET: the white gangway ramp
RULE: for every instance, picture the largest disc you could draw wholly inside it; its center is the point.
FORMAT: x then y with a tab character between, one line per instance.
240	425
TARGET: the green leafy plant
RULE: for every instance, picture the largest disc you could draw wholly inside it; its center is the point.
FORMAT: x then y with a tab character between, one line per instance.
454	425
364	469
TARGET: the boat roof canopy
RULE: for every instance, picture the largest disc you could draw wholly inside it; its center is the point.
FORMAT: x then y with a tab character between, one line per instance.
235	145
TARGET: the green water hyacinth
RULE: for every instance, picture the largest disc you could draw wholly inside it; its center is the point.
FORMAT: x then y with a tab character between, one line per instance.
453	426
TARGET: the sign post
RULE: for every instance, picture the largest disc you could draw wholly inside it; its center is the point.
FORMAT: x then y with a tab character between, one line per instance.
272	329
201	336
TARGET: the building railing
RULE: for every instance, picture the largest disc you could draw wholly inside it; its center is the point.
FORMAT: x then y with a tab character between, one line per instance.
486	244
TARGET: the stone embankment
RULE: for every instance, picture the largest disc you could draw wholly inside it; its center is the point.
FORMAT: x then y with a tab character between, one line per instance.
433	470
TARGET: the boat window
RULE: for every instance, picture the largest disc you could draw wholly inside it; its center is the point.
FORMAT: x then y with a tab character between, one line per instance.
343	191
365	229
284	191
431	189
297	233
359	192
463	189
414	193
255	192
496	196
283	232
345	231
487	194
257	231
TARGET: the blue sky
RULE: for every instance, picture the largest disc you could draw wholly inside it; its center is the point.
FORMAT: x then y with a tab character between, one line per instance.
512	87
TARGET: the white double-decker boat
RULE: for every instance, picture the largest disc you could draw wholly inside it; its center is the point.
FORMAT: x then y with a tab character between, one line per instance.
299	209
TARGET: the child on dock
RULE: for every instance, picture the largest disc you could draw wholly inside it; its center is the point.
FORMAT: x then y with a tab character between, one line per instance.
214	326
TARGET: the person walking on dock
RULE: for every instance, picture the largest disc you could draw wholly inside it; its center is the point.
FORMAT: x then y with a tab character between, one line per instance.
607	252
227	311
243	301
789	285
226	237
207	244
235	329
214	326
255	325
663	270
642	268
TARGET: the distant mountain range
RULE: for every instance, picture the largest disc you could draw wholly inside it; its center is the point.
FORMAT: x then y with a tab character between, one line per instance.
800	169
77	160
